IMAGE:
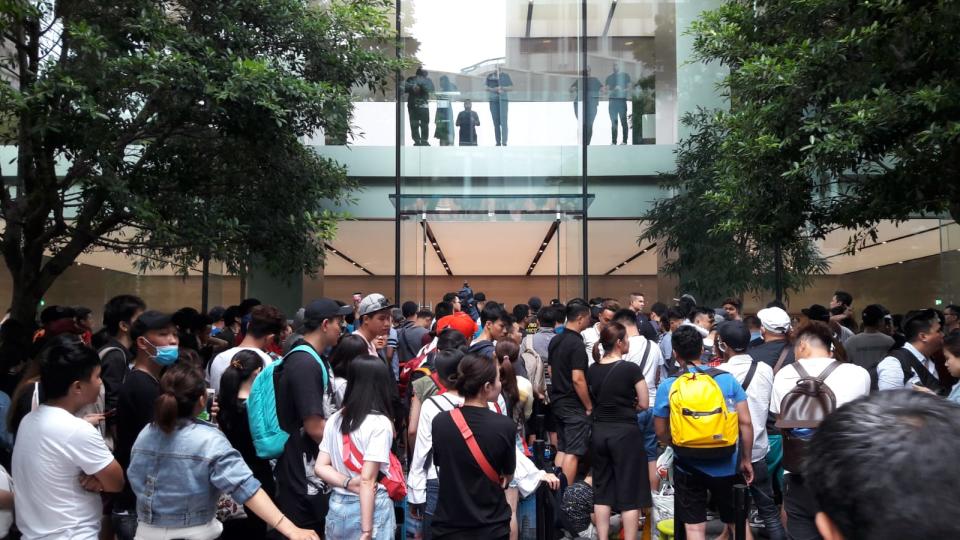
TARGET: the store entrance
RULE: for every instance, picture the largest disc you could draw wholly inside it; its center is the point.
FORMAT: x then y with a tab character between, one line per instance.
508	247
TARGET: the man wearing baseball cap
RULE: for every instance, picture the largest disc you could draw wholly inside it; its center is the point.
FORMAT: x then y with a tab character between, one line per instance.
774	327
302	414
756	378
374	321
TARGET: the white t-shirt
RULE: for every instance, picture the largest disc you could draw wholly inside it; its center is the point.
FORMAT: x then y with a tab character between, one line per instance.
590	337
890	374
848	381
419	472
758	398
53	448
373	440
221	362
638	346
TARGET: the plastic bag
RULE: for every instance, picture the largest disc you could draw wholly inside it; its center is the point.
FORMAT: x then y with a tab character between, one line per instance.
662	505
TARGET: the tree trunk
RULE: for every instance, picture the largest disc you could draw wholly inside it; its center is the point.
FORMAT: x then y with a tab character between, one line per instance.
25	301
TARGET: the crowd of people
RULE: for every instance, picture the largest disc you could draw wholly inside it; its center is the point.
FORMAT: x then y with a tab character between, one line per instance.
369	420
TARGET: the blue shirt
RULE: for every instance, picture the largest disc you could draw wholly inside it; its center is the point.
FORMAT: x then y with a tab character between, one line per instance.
734	394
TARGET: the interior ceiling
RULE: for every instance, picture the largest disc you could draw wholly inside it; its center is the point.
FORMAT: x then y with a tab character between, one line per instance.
558	18
506	248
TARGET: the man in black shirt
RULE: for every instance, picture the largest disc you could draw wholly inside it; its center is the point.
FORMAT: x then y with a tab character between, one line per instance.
300	411
155	338
467	121
591	102
569	396
119	315
419	87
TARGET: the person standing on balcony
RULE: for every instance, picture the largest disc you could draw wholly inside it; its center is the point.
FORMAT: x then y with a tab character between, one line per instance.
467	121
617	84
498	84
591	103
418	89
444	117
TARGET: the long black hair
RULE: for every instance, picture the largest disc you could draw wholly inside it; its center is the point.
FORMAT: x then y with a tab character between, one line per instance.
349	348
368	391
242	366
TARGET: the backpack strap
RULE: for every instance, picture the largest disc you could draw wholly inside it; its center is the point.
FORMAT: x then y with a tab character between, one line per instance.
782	358
309	350
749	378
823	374
646	354
927	379
471	440
441	389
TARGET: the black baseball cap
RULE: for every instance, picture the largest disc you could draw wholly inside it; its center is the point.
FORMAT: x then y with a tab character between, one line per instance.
325	308
55	313
873	314
150	320
734	334
817	312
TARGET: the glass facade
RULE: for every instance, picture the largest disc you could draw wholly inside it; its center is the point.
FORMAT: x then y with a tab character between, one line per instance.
477	165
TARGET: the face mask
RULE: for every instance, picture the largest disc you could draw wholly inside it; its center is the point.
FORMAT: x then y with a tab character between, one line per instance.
166	355
755	336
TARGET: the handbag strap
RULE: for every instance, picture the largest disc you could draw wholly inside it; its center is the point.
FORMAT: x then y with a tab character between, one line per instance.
349	450
471	440
750	373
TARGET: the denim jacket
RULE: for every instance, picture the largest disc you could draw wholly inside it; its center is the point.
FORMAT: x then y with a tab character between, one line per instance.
178	477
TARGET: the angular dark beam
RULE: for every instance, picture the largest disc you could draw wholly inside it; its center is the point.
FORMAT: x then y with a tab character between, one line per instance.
606	26
529	16
631	259
344	256
551	232
436	247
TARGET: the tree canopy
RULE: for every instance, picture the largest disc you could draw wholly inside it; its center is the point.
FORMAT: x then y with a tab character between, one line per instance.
181	127
841	115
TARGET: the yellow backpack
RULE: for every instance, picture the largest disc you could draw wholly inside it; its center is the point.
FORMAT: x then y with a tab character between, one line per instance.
700	424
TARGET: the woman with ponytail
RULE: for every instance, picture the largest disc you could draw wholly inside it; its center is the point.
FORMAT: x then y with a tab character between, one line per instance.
618	390
235	385
179	466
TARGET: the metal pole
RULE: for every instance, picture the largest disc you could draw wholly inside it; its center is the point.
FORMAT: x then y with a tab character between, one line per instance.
423	298
398	141
740	512
584	244
558	264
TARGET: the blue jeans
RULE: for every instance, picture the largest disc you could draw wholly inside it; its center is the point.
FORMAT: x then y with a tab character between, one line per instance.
433	495
527	517
124	524
645	421
343	518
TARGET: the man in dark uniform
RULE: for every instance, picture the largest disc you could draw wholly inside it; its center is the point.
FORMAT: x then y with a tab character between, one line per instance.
592	102
617	84
418	88
498	84
467	121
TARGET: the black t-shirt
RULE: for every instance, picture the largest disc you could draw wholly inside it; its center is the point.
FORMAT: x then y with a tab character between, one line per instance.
566	353
494	82
114	367
135	402
621	80
240	438
613	391
299	384
470	505
769	352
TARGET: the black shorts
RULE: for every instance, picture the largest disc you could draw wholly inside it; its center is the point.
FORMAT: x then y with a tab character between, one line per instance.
620	477
690	494
573	429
